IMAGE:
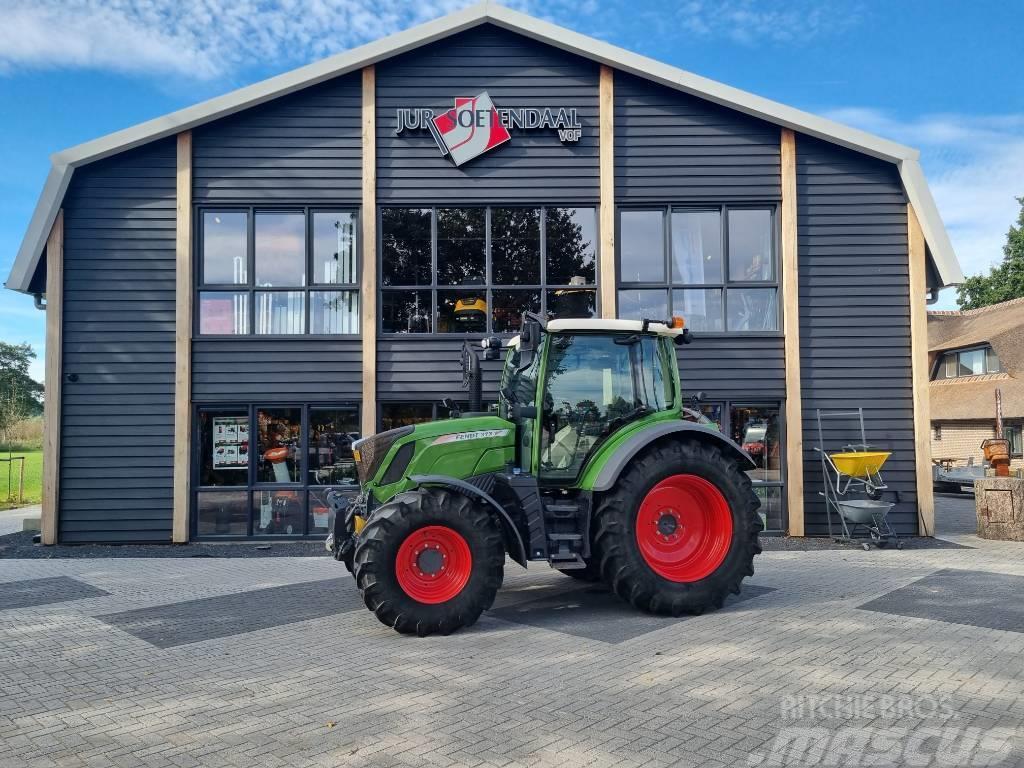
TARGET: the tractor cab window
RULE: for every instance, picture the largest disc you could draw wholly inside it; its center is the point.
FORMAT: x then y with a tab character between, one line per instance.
593	386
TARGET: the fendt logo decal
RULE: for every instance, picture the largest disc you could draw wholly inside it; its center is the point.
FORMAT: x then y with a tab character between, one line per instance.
475	125
459	437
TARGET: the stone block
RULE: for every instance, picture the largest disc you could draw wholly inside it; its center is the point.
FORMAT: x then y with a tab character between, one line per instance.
999	502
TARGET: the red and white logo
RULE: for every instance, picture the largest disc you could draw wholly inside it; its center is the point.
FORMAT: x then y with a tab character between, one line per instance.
470	129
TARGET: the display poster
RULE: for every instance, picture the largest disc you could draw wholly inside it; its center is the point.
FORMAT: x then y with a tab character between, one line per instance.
230	442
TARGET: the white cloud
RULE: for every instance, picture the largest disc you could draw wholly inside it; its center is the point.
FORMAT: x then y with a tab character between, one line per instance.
199	39
209	39
751	21
975	167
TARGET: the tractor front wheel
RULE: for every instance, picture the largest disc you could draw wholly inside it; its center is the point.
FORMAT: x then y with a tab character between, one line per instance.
678	532
428	561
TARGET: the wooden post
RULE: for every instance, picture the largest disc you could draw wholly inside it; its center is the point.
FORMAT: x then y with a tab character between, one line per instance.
52	379
919	372
368	283
606	163
791	329
183	341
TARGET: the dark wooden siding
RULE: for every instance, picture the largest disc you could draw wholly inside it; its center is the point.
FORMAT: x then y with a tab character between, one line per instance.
734	368
295	370
671	147
854	315
117	430
534	167
301	148
427	368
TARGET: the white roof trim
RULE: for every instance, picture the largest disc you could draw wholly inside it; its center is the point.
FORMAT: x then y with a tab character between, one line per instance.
569	324
65	162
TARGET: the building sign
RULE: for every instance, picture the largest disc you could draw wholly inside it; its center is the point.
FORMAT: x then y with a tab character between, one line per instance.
475	125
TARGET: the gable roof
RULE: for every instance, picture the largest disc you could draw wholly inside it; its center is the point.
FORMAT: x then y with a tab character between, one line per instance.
65	162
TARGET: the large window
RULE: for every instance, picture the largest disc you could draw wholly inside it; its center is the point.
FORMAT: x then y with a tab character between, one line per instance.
968	362
758	429
476	270
278	272
714	266
265	471
1013	433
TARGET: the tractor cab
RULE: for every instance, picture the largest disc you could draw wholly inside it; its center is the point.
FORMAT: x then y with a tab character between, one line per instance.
571	386
589	462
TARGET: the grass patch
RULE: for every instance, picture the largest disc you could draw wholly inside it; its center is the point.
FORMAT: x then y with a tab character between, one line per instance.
33	479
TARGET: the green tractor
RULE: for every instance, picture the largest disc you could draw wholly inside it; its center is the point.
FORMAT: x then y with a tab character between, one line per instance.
590	462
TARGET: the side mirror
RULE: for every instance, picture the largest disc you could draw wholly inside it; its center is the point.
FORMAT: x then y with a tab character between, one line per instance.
492	348
529	338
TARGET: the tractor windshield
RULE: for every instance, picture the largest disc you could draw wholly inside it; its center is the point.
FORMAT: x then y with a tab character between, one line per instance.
595	384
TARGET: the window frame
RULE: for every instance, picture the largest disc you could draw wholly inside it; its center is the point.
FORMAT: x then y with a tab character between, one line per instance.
782	482
944	358
253	485
668	285
252	290
489	286
1019	429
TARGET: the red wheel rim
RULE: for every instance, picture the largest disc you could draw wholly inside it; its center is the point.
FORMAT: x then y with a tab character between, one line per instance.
433	564
684	528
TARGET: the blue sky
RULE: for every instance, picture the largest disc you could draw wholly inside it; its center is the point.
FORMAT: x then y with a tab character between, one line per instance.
939	75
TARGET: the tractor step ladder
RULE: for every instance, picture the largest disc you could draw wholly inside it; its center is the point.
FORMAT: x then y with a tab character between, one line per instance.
563	551
564	526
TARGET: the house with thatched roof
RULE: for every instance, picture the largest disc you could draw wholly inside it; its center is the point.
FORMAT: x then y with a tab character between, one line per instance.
972	354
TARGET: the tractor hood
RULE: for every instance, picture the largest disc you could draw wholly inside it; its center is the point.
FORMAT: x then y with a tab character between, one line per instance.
459	448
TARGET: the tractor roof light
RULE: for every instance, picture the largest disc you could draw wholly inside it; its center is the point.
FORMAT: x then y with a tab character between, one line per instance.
677	322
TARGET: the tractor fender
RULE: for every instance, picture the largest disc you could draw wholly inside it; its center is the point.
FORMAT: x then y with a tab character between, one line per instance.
624	453
516	548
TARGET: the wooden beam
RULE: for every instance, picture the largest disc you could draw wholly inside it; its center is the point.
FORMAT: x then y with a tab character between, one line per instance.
920	373
368	284
183	341
791	329
52	379
606	164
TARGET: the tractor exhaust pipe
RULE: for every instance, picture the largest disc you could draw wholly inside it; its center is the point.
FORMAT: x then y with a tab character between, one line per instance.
471	378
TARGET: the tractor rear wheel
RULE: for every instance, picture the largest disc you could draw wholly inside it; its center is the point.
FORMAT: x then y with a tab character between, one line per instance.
678	532
428	561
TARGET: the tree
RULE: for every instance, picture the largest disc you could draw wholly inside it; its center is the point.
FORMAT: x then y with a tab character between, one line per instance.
1003	282
21	396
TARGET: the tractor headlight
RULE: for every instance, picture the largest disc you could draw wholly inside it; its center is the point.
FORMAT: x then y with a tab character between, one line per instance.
369	452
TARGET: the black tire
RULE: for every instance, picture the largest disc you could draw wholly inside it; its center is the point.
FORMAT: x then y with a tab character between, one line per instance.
377	550
623	566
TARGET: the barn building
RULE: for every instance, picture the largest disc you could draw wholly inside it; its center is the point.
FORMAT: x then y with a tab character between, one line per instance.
236	291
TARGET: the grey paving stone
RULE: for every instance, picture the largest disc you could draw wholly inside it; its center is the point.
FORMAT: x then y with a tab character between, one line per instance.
194	621
735	687
974	598
595	613
32	592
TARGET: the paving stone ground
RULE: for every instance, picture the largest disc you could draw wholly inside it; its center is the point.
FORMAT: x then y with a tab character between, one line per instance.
796	674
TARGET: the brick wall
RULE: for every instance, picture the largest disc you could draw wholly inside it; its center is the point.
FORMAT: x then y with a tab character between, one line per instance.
961	439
